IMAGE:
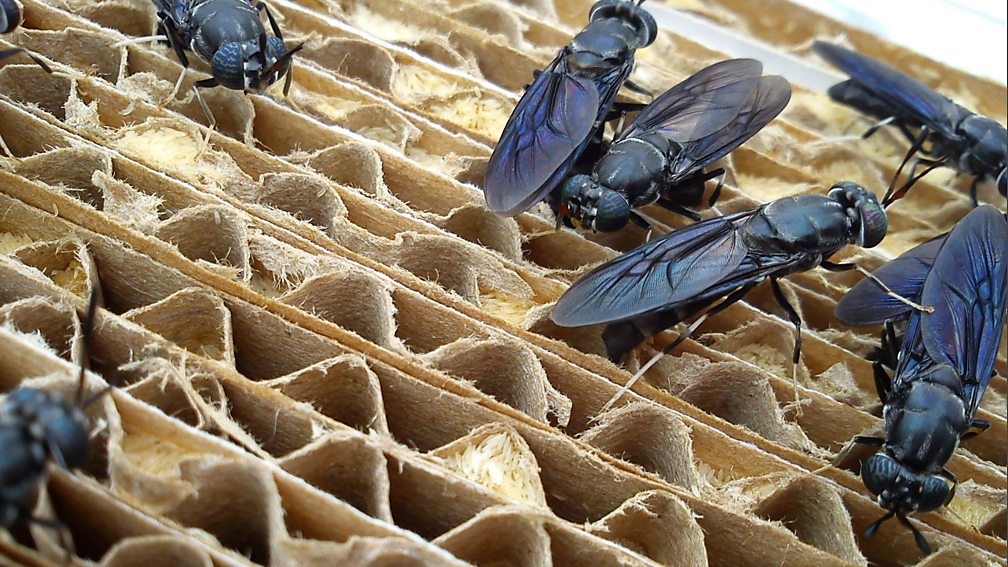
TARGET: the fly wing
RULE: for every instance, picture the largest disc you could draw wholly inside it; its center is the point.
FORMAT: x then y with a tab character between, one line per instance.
903	92
656	275
547	131
767	101
867	304
700	105
968	287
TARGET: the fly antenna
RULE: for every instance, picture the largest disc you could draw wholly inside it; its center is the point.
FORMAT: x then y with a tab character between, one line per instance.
874	527
919	538
281	61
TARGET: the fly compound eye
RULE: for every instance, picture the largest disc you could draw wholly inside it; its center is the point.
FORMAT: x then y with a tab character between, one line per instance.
870	219
605	9
571	193
10	15
647	29
934	494
228	66
275	55
879	472
612	212
874	223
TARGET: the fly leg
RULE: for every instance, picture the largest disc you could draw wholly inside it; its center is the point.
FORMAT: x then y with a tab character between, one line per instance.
893	194
643	223
857	440
175	40
951	477
973	191
5	53
725	303
877	126
65	539
890	353
796	356
677	208
634	87
977	426
843	267
262	7
619	112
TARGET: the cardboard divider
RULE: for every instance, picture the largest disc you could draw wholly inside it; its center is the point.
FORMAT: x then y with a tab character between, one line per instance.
155	551
649	436
563	500
211	233
349	467
341	388
586	500
812	509
657	525
506	370
425	289
193	319
57	324
495	535
486	452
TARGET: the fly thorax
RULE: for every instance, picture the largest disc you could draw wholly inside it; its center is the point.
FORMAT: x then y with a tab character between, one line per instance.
923	429
987	145
634	168
807	224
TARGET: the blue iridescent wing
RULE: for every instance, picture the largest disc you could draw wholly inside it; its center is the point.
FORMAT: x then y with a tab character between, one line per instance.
907	96
700	105
676	268
866	304
547	131
767	101
968	288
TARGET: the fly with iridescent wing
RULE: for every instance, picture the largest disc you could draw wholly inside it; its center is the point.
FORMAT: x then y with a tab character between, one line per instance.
565	108
678	275
943	365
955	136
661	157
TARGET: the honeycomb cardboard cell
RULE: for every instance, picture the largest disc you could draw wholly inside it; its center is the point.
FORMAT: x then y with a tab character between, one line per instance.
328	351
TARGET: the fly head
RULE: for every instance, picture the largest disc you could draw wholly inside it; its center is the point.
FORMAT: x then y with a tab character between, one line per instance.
251	66
589	205
901	491
987	148
868	219
58	424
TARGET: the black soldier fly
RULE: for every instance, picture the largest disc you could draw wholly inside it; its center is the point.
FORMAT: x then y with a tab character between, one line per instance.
944	364
960	139
230	37
661	156
38	427
676	276
566	106
10	19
